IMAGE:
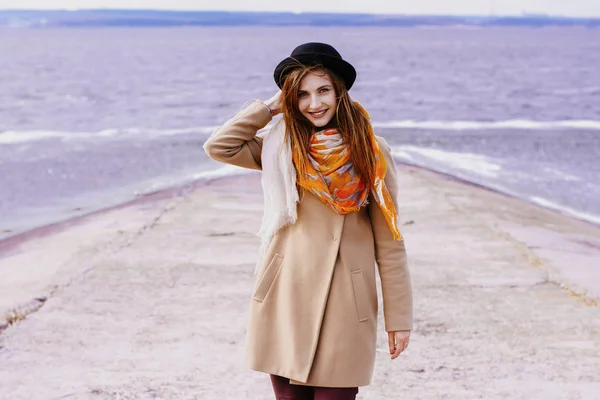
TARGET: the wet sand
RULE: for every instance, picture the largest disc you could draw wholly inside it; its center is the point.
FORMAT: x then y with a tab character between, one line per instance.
149	300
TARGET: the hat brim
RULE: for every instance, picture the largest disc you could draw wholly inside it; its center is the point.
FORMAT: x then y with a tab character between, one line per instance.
342	68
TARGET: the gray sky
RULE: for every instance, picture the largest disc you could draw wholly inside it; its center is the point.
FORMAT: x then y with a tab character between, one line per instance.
585	8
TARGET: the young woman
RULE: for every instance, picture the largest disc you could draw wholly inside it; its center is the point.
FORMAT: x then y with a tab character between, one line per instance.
330	215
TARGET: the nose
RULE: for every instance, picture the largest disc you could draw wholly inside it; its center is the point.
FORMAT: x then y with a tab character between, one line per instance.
315	102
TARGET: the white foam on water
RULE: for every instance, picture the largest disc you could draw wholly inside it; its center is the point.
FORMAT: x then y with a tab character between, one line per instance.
402	154
183	131
169	181
487	125
108	133
473	168
221	172
468	167
562	175
474	163
565	210
18	137
11	137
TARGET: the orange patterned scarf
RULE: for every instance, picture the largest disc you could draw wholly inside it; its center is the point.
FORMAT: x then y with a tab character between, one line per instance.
331	177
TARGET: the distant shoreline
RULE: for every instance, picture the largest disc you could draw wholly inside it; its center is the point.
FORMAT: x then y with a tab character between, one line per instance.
164	18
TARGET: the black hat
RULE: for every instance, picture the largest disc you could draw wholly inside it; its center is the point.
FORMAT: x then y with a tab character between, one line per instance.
316	54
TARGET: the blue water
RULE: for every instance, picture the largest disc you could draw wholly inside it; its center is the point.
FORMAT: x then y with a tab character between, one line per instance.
93	117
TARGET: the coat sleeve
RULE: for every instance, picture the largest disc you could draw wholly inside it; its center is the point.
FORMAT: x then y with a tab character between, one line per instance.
391	259
236	141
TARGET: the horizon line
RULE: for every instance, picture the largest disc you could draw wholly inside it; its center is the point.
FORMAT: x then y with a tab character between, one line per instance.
174	10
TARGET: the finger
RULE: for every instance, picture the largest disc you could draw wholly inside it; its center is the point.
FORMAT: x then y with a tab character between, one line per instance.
277	97
404	339
398	347
397	351
391	342
404	344
401	344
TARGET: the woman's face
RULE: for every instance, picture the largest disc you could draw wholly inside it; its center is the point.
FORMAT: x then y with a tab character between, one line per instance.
316	98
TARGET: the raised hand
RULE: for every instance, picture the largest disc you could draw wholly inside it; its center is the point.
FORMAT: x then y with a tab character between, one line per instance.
274	103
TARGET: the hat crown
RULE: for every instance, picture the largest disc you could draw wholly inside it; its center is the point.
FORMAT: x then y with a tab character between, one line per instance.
316	48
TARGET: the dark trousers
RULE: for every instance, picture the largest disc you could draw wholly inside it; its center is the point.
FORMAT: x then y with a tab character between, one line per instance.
285	391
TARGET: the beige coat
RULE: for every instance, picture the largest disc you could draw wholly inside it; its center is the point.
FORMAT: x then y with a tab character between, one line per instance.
313	313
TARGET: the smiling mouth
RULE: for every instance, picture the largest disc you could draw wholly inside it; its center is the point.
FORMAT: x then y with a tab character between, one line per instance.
318	114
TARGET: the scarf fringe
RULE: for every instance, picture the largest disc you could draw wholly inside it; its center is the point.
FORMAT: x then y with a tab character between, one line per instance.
279	187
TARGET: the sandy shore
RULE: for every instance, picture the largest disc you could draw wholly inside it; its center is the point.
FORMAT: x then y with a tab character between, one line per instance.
149	301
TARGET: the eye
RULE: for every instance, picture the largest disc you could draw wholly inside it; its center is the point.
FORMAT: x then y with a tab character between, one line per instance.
302	94
324	90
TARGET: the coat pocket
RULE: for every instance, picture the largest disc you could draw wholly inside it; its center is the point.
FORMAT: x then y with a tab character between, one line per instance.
360	295
267	278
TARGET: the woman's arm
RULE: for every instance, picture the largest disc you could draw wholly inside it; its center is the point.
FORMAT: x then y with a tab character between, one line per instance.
236	142
391	259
